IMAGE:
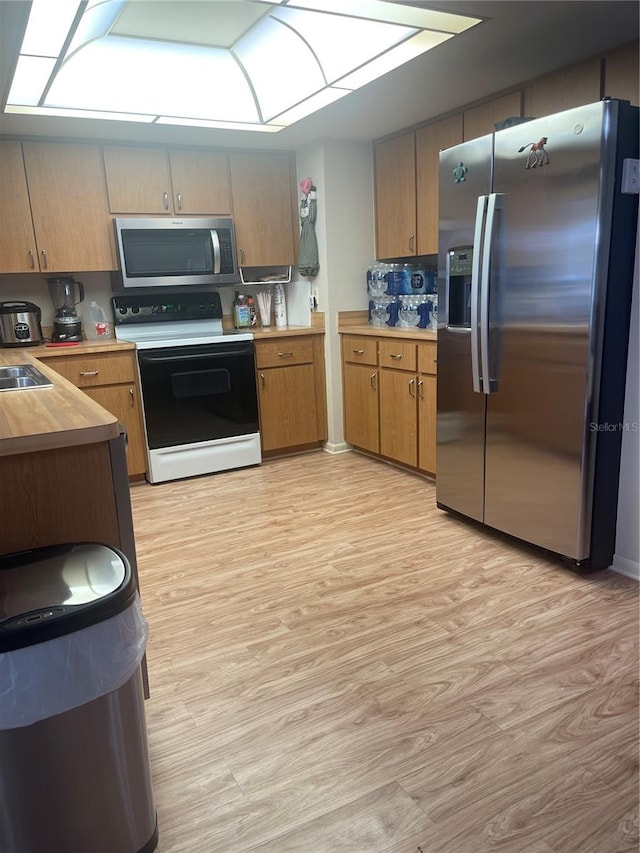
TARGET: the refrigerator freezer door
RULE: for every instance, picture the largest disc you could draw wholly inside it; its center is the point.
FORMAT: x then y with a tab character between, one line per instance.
465	174
538	460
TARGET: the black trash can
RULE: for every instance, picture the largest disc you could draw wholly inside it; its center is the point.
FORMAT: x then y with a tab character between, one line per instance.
74	760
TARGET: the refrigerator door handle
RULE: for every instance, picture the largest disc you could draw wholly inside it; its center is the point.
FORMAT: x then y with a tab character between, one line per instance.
481	210
495	202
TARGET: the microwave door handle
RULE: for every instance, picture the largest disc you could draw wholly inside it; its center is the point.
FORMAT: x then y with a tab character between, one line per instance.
475	293
215	242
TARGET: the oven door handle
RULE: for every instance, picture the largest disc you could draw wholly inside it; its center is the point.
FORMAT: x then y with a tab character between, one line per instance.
165	359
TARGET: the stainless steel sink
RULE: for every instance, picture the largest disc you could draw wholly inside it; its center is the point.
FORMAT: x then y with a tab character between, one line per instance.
17	377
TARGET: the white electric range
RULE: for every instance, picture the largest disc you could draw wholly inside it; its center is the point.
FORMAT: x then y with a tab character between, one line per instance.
198	383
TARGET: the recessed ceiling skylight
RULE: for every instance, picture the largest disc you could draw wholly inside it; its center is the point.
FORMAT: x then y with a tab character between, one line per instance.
253	64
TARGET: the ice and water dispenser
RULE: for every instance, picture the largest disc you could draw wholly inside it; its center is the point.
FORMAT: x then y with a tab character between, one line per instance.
458	272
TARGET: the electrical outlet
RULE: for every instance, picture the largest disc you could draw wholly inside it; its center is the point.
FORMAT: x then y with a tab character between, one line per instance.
630	176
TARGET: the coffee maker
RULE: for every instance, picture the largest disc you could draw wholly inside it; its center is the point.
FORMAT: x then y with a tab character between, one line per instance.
66	323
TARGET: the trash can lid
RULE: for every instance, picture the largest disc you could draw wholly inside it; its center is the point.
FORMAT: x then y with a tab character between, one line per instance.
49	592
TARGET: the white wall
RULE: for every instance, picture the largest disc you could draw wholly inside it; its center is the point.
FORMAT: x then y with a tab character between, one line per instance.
627	557
342	173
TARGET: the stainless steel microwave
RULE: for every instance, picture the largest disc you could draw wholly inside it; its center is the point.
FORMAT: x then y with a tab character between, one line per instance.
162	252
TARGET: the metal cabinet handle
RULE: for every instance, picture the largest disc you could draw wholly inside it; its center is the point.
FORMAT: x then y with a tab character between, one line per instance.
411	242
32	260
241	250
358	351
285	354
396	355
412	382
373	378
132	396
45	265
263	381
165	201
179	201
420	386
90	373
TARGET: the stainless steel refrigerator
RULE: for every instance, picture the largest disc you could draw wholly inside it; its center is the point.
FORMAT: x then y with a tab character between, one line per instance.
536	253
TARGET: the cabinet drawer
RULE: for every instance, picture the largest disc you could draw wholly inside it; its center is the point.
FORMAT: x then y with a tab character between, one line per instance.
284	351
360	350
427	357
398	354
88	370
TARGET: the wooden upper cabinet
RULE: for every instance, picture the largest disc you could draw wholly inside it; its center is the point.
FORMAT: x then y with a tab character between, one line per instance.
138	179
430	140
263	189
563	90
395	197
18	243
621	73
69	206
482	119
158	182
200	182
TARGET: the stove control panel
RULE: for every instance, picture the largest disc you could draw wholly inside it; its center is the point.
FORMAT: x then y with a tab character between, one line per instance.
165	307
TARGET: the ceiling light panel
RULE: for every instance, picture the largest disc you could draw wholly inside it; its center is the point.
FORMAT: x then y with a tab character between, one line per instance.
142	78
48	26
342	43
280	65
163	60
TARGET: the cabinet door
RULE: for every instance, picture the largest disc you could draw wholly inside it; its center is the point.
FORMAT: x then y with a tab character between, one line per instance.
482	119
360	401
398	416
123	402
69	206
430	140
564	89
200	182
138	179
621	73
395	197
262	193
287	400
427	424
18	244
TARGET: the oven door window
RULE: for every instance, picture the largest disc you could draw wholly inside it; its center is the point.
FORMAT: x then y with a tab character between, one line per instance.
198	393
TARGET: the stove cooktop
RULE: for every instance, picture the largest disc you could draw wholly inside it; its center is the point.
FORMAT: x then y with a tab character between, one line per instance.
152	320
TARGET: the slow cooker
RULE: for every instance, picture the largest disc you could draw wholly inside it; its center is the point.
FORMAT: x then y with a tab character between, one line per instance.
20	324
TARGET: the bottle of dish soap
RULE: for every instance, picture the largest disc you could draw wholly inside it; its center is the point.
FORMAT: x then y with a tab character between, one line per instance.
241	312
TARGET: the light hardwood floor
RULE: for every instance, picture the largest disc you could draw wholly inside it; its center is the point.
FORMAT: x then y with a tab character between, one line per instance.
336	666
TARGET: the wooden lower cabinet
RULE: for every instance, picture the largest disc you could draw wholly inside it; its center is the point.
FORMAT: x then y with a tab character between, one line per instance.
389	401
291	393
360	394
399	416
110	378
123	401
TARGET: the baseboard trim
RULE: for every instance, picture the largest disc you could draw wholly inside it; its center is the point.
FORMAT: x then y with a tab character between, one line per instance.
626	567
334	448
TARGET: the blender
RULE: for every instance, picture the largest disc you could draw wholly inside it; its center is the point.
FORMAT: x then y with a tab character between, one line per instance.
66	323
